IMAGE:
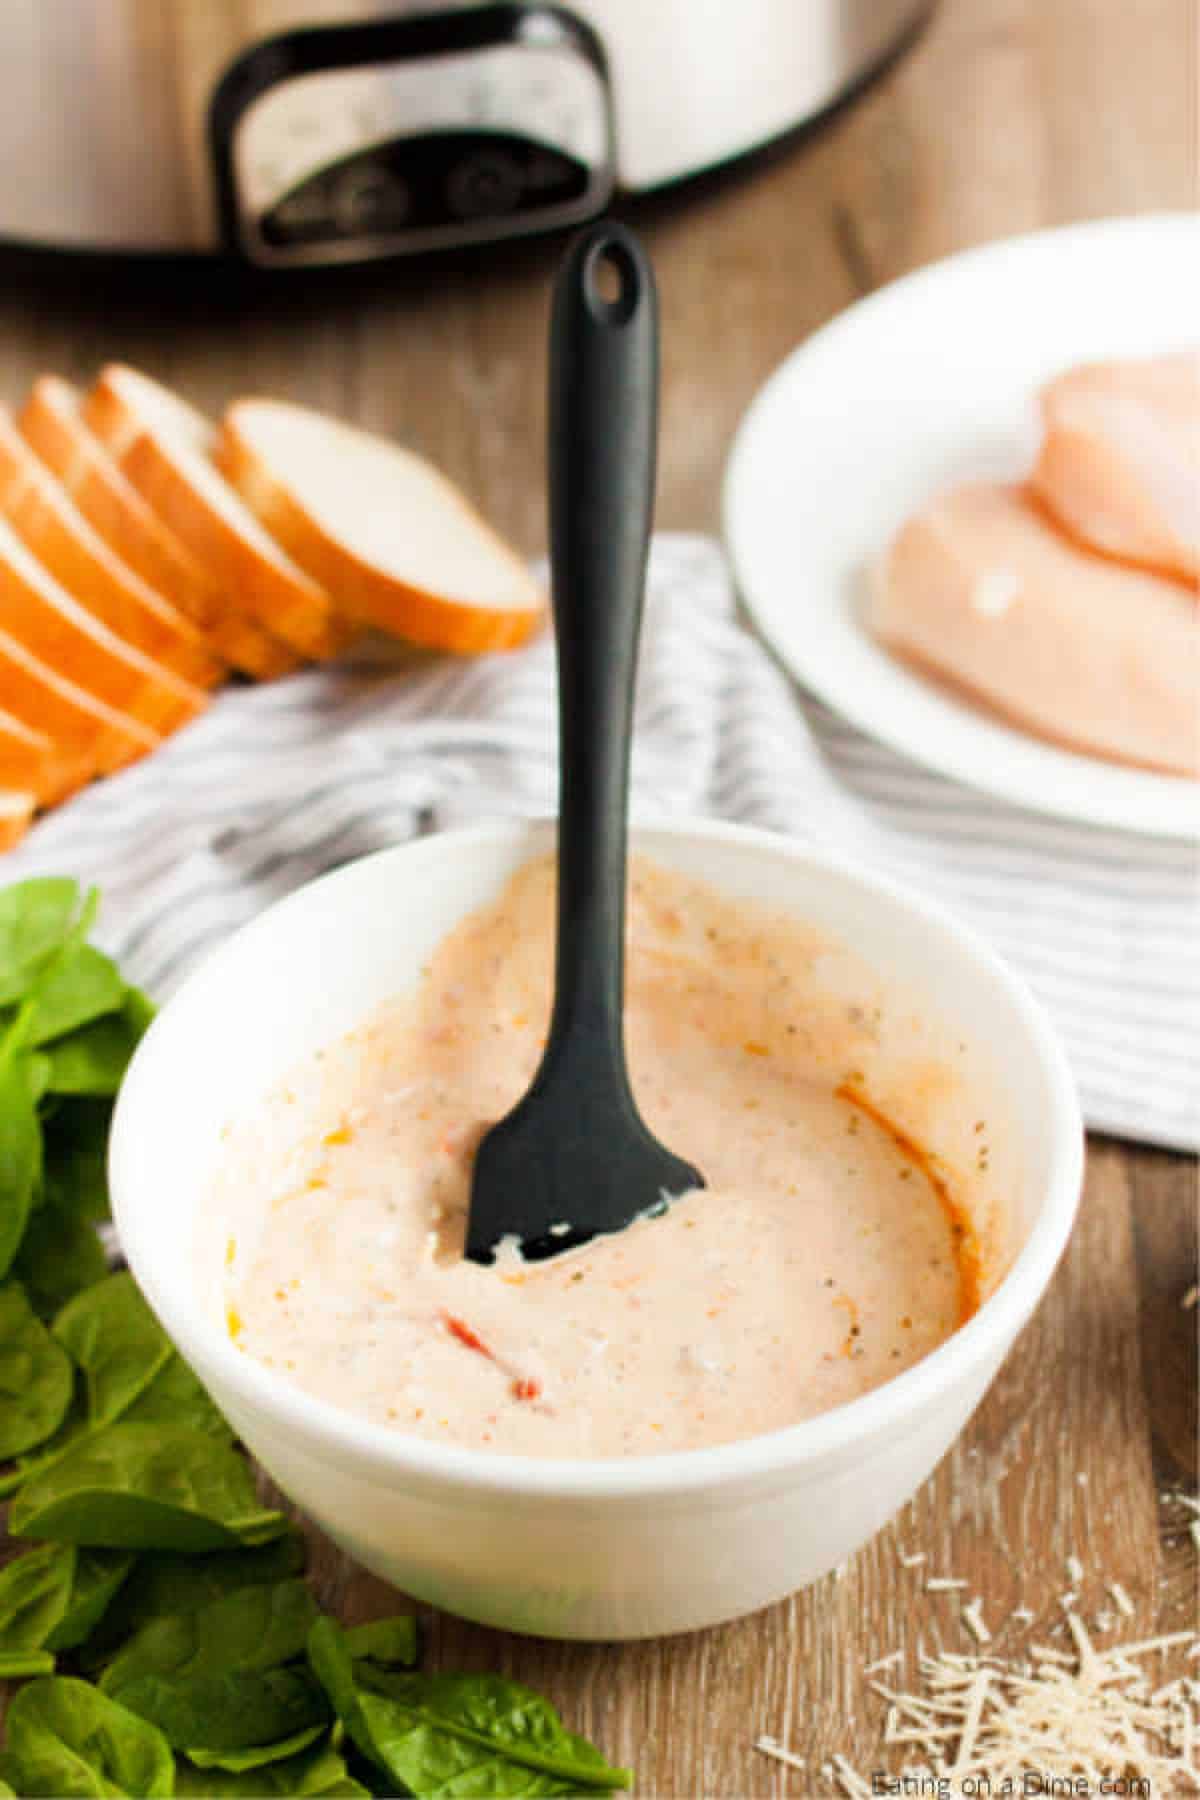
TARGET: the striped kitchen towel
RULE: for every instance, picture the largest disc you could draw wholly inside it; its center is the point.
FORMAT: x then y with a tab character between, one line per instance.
277	783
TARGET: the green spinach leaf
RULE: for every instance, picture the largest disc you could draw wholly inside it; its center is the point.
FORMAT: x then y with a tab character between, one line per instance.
18	1665
20	1150
139	1010
98	1577
37	1069
331	1663
234	1711
35	920
45	1455
177	1397
238	1761
60	1255
317	1773
66	1738
116	1342
36	1378
20	1026
479	1733
385	1640
119	1348
131	1372
166	1582
94	1059
145	1487
438	1733
35	1590
252	1628
83	985
52	1598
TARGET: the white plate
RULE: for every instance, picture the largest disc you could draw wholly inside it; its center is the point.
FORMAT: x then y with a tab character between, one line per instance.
929	382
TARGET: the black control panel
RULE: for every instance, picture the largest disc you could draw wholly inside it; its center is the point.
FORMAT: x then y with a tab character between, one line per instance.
342	142
439	179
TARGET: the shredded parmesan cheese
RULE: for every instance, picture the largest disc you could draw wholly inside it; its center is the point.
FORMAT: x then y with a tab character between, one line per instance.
1083	1719
851	1783
1121	1599
970	1725
972	1617
772	1747
1076	1720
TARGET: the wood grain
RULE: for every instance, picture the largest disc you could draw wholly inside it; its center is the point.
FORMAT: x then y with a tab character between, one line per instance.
1006	116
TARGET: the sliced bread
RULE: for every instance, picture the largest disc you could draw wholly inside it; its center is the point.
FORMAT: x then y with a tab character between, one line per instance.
94	739
31	763
164	447
377	526
51	422
39	613
16	812
52	527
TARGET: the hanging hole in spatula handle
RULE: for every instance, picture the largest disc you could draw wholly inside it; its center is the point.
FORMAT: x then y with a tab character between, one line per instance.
611	280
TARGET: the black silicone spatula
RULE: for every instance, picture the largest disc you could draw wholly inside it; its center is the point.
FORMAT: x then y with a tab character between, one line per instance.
574	1157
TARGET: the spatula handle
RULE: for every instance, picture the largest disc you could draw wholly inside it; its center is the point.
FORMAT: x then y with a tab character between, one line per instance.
603	405
574	1157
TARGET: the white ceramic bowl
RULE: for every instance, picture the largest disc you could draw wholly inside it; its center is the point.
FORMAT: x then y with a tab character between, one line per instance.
621	1547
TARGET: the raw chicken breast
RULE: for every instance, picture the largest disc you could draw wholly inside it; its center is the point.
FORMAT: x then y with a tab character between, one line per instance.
1120	464
980	589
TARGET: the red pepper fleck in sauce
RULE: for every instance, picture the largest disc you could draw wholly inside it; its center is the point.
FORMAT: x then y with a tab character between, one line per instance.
465	1335
525	1389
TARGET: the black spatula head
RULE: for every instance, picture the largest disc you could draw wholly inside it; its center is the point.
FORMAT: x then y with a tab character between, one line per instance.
574	1157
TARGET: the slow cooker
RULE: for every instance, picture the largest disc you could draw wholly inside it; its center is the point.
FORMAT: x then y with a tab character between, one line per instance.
292	132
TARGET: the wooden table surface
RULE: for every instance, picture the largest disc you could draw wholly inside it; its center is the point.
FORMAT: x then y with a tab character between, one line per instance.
1006	115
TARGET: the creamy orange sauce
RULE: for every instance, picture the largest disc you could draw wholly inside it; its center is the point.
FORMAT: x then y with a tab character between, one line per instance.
827	1253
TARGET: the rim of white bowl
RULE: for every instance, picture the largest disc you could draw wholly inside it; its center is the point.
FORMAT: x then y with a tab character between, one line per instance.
880	1413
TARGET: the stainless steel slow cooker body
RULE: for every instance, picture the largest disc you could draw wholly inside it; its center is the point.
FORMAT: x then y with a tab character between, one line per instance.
311	131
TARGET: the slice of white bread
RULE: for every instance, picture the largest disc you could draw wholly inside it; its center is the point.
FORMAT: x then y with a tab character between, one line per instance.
50	525
164	447
979	588
37	611
1119	465
51	422
16	812
381	529
94	739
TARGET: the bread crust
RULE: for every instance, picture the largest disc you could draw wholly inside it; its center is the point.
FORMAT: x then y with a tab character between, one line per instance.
436	620
284	601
